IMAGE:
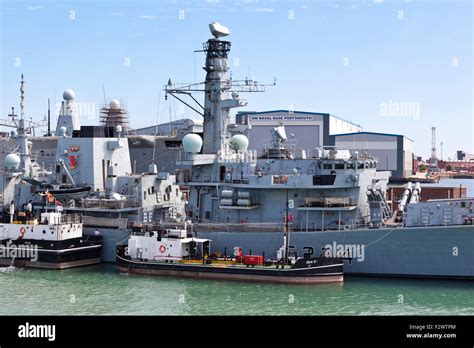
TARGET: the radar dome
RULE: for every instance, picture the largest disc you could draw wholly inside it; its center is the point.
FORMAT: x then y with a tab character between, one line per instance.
192	143
69	94
114	104
240	142
62	131
12	161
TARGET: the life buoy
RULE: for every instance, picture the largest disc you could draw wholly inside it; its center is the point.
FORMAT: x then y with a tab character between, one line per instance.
162	248
22	232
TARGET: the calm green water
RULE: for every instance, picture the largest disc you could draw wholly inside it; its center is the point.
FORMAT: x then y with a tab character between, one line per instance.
100	290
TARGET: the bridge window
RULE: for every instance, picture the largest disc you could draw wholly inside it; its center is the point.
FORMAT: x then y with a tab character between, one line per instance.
328	165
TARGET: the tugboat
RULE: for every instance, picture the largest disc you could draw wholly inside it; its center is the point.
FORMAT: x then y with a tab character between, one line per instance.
55	241
172	253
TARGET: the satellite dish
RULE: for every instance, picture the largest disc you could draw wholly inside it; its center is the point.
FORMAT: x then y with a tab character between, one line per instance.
218	30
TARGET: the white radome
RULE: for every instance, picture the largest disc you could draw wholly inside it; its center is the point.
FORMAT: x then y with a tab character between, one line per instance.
62	131
240	142
69	94
192	143
114	104
12	161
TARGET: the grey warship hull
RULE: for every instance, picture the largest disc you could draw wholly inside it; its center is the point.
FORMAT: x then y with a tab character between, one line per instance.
432	252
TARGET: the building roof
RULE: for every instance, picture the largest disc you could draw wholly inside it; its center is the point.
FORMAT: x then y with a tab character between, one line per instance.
295	112
373	133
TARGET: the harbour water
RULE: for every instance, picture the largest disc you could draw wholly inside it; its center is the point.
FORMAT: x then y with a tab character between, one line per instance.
100	290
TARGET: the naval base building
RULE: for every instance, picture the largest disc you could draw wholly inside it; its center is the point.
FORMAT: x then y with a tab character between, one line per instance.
393	151
305	130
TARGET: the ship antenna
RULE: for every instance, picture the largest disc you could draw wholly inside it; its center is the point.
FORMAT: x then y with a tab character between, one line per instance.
156	127
103	90
22	97
287	230
49	119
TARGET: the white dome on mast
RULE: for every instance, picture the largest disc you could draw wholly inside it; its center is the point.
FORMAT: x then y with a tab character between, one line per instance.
69	94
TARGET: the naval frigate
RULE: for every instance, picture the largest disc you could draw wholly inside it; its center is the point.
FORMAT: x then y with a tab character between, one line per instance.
92	176
336	198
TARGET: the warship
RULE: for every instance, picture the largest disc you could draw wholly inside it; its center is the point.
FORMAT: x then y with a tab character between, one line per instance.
92	177
337	198
55	240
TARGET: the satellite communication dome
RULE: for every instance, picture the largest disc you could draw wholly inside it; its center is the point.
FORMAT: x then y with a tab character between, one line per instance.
240	142
12	161
69	94
114	104
62	131
218	30
192	143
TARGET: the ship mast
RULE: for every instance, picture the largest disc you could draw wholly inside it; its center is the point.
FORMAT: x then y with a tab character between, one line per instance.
221	92
25	160
286	233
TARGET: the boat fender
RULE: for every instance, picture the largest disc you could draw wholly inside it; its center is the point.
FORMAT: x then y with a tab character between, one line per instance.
22	232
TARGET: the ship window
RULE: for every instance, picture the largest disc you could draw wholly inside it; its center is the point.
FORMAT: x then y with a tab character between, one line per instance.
339	166
208	215
350	165
327	165
152	189
360	165
463	204
64	179
173	143
366	165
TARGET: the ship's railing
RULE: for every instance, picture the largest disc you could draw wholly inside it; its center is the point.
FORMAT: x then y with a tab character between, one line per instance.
71	219
110	203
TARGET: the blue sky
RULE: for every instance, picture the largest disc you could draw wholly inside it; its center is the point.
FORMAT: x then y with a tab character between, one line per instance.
391	66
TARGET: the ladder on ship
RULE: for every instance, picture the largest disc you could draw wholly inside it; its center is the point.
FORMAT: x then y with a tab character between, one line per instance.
425	215
448	215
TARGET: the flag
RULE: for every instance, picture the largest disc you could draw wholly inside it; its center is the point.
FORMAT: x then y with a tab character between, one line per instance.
50	197
58	202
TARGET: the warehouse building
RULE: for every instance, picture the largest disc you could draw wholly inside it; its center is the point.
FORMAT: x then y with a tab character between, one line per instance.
306	130
393	151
